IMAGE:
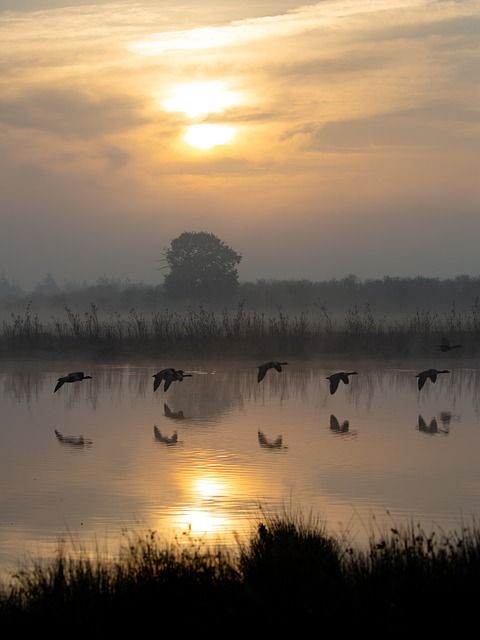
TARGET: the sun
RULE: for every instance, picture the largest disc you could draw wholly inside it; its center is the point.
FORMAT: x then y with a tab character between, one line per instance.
196	99
207	136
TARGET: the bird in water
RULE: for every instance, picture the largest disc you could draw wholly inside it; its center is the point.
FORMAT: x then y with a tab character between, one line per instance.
169	375
446	346
429	373
263	368
76	376
335	378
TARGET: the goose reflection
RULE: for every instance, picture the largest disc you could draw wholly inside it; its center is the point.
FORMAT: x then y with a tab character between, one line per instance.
431	428
76	442
341	429
175	415
168	440
263	441
445	418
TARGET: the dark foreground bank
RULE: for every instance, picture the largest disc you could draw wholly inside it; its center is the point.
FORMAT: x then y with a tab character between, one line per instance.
291	573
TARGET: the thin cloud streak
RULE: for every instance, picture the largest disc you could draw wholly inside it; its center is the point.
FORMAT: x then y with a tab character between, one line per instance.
307	18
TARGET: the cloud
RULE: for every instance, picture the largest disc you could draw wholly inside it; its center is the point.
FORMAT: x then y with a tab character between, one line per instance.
294	22
433	124
71	112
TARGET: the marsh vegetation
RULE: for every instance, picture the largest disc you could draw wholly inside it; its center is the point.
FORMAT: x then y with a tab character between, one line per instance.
209	333
291	570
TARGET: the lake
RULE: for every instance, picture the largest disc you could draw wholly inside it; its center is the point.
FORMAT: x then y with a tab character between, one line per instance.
203	460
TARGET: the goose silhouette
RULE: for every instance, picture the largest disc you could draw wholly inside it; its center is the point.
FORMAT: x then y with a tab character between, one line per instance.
335	379
169	376
263	368
162	375
168	440
76	376
446	346
429	373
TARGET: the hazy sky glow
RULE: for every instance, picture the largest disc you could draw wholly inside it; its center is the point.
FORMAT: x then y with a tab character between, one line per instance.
317	139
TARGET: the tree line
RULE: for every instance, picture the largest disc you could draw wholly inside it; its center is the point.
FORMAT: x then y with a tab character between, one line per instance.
200	269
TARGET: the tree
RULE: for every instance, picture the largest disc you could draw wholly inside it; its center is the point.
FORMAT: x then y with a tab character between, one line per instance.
201	266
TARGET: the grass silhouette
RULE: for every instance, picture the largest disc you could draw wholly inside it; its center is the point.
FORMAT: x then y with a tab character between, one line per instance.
291	571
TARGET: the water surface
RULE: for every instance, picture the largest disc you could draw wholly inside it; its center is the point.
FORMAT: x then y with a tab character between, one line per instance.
109	455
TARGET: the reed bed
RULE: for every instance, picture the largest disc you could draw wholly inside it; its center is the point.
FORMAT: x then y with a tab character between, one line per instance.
200	332
290	572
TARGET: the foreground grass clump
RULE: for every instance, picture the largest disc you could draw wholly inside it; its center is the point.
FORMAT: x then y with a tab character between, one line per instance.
290	572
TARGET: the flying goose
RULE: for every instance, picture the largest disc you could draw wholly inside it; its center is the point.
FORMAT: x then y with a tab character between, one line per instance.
336	377
169	375
429	373
177	376
161	375
263	368
76	376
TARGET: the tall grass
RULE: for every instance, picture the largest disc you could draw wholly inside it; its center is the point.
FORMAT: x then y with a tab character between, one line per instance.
290	572
199	332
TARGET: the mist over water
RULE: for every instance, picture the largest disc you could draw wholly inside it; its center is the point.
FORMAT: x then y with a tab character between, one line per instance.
109	455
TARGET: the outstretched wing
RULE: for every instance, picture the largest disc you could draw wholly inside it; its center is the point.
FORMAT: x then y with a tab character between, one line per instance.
167	383
262	372
334	382
59	384
157	382
422	378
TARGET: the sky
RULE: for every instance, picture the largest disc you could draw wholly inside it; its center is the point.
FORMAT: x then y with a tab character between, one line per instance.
317	140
